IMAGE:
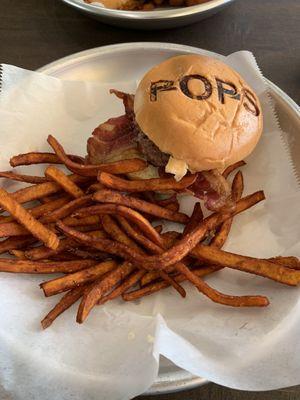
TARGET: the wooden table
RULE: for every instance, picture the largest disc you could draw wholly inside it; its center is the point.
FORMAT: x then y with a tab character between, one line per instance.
36	32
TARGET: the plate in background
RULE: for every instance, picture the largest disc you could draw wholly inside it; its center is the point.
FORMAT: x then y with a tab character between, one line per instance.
130	61
157	19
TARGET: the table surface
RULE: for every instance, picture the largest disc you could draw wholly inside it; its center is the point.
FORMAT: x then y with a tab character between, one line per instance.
36	32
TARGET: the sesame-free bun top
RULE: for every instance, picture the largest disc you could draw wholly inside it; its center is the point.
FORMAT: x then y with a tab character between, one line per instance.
200	111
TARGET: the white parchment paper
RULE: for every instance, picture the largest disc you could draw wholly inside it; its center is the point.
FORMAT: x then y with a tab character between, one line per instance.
115	354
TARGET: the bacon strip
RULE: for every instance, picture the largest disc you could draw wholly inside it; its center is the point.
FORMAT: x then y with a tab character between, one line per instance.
214	189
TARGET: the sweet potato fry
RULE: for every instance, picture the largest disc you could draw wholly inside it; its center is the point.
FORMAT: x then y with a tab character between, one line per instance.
202	287
171	256
137	235
106	245
66	209
48	208
42	252
267	269
170	238
214	295
15	229
42	209
114	231
142	185
95	187
41	158
157	286
22	178
100	288
221	234
130	214
148	244
111	196
15	243
39	267
232	167
12	229
221	298
223	231
48	199
75	279
237	301
105	249
28	221
58	176
20	254
289	262
89	221
64	256
88	228
115	250
151	276
4	219
65	302
40	190
118	167
88	254
172	282
195	219
128	282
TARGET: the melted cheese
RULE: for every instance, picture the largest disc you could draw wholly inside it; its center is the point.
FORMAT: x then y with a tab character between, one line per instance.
177	167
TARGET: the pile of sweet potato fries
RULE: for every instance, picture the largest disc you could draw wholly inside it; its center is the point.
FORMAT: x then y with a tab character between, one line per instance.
101	239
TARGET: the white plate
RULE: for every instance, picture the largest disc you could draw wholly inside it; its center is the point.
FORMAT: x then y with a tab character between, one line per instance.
157	19
130	61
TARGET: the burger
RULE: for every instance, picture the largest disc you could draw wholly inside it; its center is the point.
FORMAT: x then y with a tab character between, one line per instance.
191	114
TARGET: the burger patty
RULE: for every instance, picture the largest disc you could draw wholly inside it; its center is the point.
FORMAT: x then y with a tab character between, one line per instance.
151	151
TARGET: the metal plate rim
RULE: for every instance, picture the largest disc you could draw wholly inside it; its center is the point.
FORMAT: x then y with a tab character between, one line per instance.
148	15
86	55
181	380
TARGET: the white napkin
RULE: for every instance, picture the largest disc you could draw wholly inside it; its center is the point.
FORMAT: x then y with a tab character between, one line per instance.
114	354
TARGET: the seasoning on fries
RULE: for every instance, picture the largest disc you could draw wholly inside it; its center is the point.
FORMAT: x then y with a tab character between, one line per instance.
28	221
156	184
56	175
110	196
43	267
22	178
119	167
75	279
65	302
40	158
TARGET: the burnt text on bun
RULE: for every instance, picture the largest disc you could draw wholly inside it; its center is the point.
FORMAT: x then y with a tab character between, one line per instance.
199	111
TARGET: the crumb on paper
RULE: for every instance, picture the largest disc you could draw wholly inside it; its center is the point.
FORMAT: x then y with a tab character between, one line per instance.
243	326
131	335
150	339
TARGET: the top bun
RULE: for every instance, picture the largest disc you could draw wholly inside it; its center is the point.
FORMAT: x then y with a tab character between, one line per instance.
200	111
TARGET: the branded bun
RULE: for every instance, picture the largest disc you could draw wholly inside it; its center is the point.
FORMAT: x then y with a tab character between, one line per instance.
199	111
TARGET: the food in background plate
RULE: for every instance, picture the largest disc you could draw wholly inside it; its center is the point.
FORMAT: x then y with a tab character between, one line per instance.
188	127
144	5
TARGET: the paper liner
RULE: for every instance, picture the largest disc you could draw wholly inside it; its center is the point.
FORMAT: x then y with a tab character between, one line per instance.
114	355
